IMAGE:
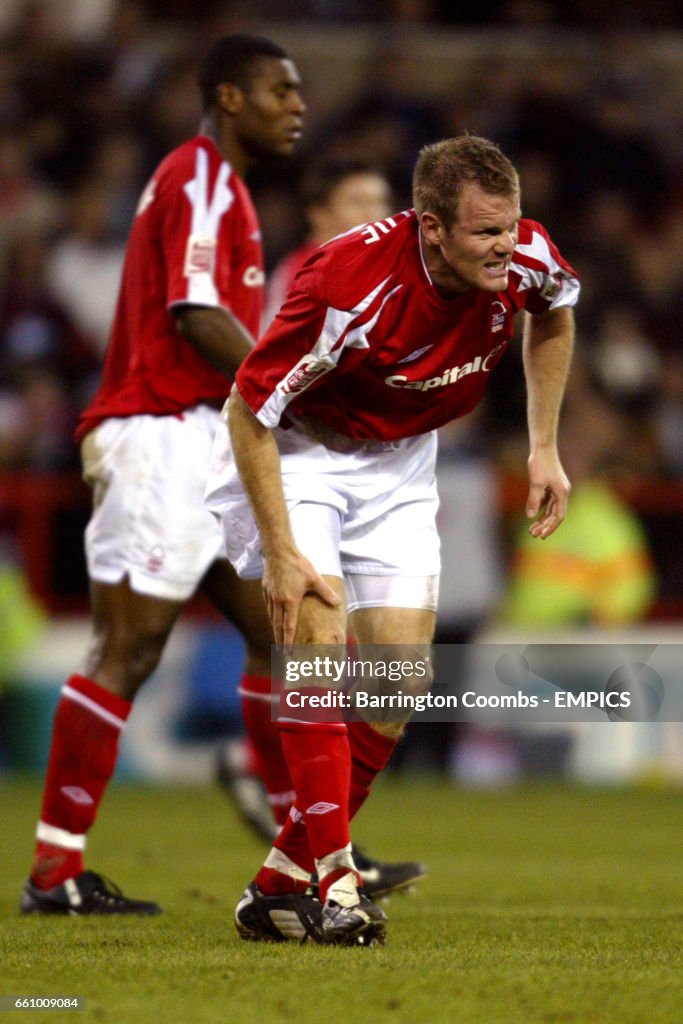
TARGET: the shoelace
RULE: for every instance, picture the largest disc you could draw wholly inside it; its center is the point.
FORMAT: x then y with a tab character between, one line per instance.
108	890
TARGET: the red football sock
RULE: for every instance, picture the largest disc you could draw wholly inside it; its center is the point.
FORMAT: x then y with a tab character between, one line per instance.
85	741
370	752
293	841
264	737
320	765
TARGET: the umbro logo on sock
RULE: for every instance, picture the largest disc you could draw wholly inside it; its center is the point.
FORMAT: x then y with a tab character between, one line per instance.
321	808
77	794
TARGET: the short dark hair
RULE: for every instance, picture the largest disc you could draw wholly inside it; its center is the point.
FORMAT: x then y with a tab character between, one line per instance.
443	168
230	59
322	177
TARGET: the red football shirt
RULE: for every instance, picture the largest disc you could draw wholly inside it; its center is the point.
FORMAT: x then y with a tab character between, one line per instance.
365	343
195	240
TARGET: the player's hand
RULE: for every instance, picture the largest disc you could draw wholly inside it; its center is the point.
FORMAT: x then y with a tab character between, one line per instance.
286	581
548	492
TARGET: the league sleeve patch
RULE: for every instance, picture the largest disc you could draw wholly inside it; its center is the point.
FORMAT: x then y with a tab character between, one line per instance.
200	255
304	373
552	287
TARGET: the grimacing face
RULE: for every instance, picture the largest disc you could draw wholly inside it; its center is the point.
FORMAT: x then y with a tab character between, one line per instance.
476	251
270	119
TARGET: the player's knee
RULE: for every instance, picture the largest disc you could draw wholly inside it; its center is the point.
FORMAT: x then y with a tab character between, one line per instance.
417	684
321	634
122	658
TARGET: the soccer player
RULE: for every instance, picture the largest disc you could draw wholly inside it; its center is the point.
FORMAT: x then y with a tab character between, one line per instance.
389	332
338	194
189	307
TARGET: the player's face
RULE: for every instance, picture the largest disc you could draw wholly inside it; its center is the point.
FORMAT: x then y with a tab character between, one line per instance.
270	119
477	250
358	199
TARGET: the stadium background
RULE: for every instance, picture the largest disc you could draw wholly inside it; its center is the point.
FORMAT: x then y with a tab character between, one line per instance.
94	92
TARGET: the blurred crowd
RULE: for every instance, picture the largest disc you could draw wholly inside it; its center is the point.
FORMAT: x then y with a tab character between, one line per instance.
93	95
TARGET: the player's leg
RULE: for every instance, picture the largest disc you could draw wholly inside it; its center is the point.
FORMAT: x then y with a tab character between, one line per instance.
316	833
345	912
129	634
285	912
391	597
148	488
257	778
289	863
317	752
377	629
318	759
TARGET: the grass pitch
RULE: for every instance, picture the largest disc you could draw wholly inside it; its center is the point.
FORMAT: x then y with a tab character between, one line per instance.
544	905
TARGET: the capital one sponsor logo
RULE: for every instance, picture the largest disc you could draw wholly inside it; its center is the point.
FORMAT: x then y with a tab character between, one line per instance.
449	376
253	277
303	374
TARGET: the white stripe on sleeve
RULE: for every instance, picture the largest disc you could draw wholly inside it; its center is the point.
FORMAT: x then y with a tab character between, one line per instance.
325	354
554	275
200	257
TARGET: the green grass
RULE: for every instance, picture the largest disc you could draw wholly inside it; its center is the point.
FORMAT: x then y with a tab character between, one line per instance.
544	904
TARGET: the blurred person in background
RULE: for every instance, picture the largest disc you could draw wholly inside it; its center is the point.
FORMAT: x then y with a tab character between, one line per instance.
598	569
85	264
189	308
389	119
21	623
26	204
48	365
668	415
597	573
618	155
337	195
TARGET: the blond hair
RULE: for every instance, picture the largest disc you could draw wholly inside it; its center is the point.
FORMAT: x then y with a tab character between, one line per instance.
443	168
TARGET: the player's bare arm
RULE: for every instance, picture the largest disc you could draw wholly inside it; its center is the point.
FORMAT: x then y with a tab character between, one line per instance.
548	344
216	334
287	576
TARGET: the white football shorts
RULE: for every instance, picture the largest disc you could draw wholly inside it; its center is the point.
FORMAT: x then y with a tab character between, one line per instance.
149	520
366	515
